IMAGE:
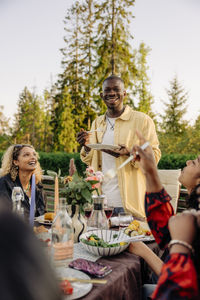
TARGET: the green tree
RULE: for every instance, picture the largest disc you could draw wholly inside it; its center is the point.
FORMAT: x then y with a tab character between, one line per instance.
73	65
114	51
67	136
5	130
173	127
48	130
141	89
29	120
192	141
87	46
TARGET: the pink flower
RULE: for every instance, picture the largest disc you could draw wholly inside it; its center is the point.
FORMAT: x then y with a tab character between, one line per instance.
91	178
99	175
90	171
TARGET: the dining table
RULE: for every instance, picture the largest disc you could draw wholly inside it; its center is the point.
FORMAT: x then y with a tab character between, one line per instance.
129	273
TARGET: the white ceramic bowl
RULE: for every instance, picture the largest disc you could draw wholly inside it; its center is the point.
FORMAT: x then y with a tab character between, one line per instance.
106	235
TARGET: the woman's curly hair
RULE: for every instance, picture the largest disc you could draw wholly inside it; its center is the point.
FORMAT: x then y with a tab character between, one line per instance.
8	166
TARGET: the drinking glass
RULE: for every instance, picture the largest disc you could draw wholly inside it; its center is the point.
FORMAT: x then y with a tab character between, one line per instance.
88	208
108	211
124	220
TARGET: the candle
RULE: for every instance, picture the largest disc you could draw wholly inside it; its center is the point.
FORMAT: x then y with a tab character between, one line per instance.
56	195
32	208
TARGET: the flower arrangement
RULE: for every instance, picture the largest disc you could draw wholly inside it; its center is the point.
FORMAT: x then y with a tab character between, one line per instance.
79	190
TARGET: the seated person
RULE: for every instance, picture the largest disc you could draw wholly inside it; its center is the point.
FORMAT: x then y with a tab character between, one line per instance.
18	164
178	276
25	272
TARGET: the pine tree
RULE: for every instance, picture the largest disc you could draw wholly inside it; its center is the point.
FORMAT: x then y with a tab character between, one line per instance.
114	51
192	140
173	126
66	136
48	130
141	90
73	75
29	120
172	120
87	46
5	130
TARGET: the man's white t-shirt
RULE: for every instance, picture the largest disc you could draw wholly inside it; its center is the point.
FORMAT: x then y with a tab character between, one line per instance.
110	188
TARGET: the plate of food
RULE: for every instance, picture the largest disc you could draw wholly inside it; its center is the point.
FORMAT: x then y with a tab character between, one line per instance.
137	228
97	242
43	234
46	219
103	147
73	290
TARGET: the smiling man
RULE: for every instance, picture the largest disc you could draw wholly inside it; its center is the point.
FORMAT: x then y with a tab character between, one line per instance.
117	127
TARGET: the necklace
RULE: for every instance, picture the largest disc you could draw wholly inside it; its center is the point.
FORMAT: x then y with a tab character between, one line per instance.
27	189
112	126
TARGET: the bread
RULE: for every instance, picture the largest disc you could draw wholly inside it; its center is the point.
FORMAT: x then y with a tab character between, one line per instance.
49	216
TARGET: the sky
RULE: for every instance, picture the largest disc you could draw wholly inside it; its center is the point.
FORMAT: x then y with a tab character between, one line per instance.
31	34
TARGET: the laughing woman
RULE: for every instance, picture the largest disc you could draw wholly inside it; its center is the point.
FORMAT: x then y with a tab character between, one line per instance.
18	164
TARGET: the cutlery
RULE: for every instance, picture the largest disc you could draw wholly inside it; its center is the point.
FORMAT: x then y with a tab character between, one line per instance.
127	239
113	172
72	279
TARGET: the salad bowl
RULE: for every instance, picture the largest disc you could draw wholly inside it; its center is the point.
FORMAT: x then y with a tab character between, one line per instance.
97	242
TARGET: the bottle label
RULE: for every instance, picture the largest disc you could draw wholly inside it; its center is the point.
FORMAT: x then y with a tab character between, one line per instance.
97	206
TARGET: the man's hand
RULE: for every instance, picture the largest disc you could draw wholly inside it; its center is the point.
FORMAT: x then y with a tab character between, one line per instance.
83	139
118	152
123	151
113	153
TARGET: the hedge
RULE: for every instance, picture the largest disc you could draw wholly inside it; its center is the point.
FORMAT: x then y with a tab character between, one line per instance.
60	160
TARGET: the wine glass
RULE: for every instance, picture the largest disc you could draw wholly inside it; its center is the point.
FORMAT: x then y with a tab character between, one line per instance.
88	208
124	220
108	211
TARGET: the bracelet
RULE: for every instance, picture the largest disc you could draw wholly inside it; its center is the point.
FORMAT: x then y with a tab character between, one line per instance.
182	243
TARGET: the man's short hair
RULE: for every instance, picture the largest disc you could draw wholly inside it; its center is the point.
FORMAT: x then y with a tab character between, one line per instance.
114	77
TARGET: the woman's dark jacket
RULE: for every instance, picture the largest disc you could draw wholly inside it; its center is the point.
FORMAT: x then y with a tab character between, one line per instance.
6	186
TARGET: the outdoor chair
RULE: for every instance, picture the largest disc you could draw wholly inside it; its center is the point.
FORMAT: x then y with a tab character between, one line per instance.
169	179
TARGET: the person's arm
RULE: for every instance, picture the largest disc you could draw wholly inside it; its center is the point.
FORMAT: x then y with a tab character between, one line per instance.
157	201
178	279
83	138
142	250
148	165
6	187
